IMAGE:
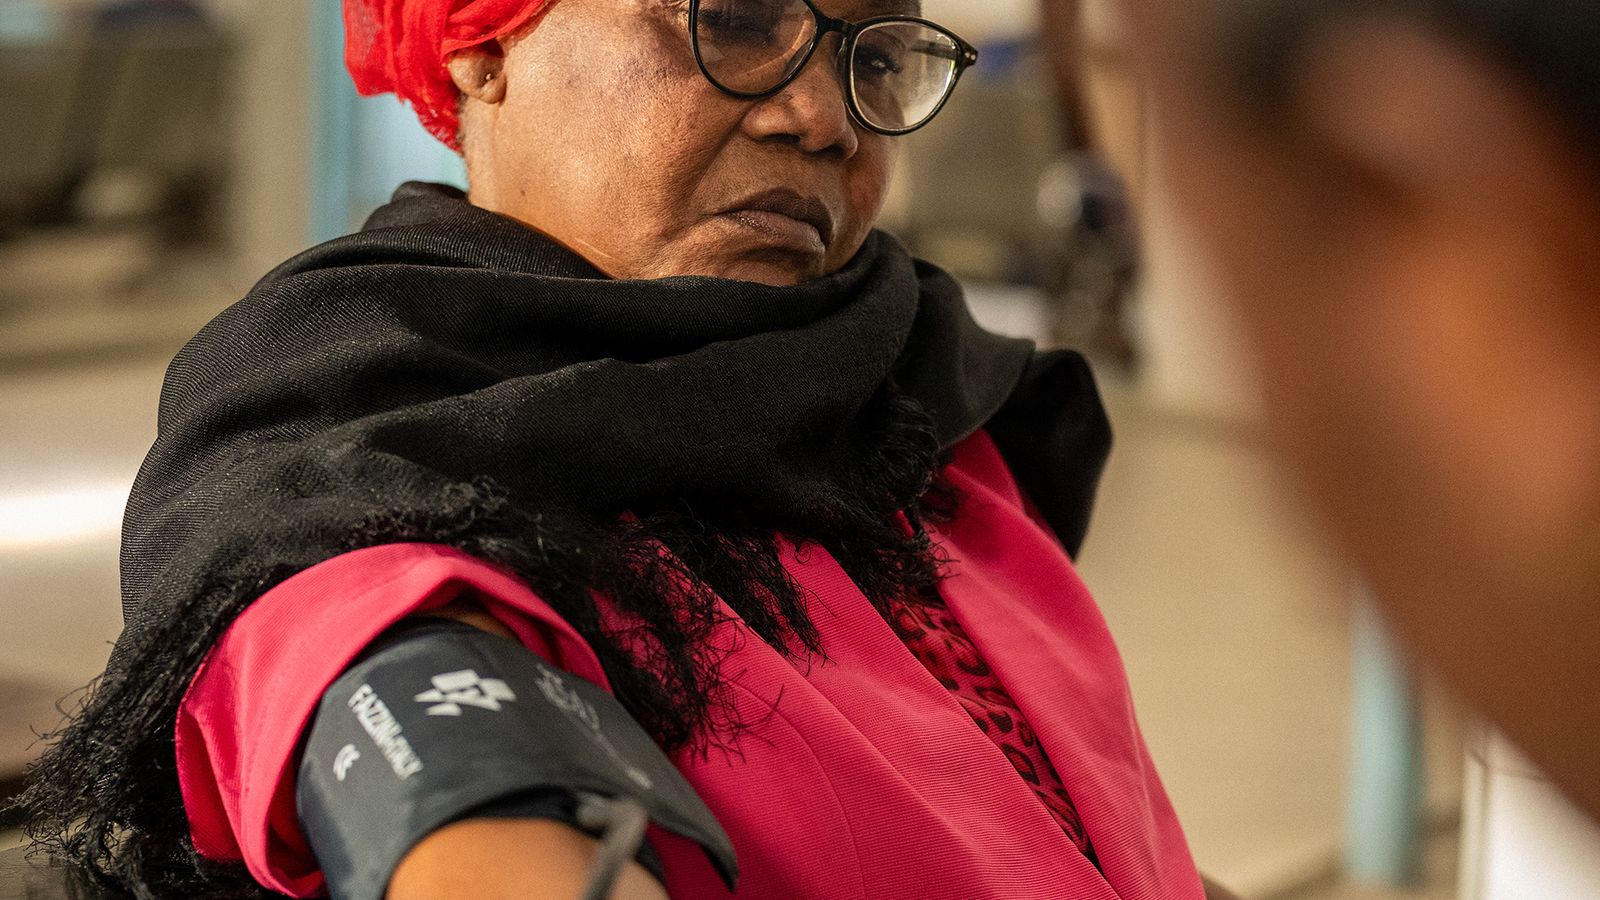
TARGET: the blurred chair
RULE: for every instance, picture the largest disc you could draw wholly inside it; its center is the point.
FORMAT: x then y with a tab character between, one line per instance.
989	194
972	182
162	96
145	102
40	86
159	119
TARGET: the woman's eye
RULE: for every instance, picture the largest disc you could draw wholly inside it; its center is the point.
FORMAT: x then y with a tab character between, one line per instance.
876	64
738	28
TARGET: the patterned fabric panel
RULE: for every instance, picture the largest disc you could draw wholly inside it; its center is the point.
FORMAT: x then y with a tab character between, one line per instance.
936	638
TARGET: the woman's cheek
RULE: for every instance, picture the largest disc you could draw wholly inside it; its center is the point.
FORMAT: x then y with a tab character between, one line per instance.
869	174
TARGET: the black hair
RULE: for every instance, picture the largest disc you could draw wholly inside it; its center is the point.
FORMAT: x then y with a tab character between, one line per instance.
1553	44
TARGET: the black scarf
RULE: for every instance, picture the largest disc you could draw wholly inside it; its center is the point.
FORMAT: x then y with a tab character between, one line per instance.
448	374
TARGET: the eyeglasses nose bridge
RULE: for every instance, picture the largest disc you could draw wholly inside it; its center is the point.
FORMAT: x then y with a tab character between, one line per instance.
827	25
841	58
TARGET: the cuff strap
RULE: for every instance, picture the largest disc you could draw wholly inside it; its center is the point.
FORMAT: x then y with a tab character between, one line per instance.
440	721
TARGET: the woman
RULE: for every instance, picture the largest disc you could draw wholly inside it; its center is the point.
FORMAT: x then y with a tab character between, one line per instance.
658	403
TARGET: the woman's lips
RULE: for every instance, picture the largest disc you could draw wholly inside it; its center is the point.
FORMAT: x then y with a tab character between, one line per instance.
787	218
780	228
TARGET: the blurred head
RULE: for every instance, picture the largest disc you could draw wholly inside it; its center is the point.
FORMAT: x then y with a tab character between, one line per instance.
1403	199
592	121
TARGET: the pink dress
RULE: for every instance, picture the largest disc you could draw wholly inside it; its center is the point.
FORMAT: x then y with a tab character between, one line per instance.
983	749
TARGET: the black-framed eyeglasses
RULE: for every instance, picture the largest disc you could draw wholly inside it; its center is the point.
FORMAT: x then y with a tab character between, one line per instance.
898	71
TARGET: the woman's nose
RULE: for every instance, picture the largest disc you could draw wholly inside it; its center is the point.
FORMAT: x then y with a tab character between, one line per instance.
810	111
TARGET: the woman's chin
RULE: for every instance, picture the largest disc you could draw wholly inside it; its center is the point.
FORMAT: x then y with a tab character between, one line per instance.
775	270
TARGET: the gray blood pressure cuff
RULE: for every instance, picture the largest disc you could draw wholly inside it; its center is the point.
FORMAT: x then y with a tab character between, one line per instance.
440	721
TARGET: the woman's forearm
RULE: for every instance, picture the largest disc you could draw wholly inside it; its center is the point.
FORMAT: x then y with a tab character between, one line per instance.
509	859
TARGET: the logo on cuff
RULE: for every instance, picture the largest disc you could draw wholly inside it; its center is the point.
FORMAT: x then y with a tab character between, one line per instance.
344	760
452	690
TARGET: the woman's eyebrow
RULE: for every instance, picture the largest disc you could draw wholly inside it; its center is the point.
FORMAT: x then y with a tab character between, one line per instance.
895	7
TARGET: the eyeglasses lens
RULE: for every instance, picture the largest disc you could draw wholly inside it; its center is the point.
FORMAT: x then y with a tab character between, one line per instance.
899	72
751	46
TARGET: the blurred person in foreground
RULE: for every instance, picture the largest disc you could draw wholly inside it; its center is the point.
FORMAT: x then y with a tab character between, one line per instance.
787	534
1403	200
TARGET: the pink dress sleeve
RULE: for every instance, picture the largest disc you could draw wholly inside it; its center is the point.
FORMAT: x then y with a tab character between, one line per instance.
243	714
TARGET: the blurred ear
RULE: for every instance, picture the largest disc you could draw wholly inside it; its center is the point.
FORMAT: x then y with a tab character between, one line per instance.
1478	218
479	72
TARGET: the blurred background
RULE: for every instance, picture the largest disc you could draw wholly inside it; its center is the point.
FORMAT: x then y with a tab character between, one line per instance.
160	156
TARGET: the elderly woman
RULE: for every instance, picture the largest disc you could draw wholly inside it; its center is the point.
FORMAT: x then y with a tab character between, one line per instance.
648	460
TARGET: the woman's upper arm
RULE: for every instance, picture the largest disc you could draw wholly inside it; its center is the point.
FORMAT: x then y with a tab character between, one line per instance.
240	721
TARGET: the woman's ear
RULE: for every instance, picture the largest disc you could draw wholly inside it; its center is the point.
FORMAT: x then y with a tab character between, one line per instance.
479	72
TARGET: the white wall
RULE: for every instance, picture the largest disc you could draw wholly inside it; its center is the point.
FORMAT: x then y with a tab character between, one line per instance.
987	20
1522	839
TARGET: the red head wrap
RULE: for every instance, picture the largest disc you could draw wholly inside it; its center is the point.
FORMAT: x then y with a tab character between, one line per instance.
401	46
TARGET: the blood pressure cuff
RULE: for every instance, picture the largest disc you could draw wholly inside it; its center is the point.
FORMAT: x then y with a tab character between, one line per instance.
439	721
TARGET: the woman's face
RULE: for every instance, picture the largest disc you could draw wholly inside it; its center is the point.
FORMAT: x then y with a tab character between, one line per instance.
610	140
